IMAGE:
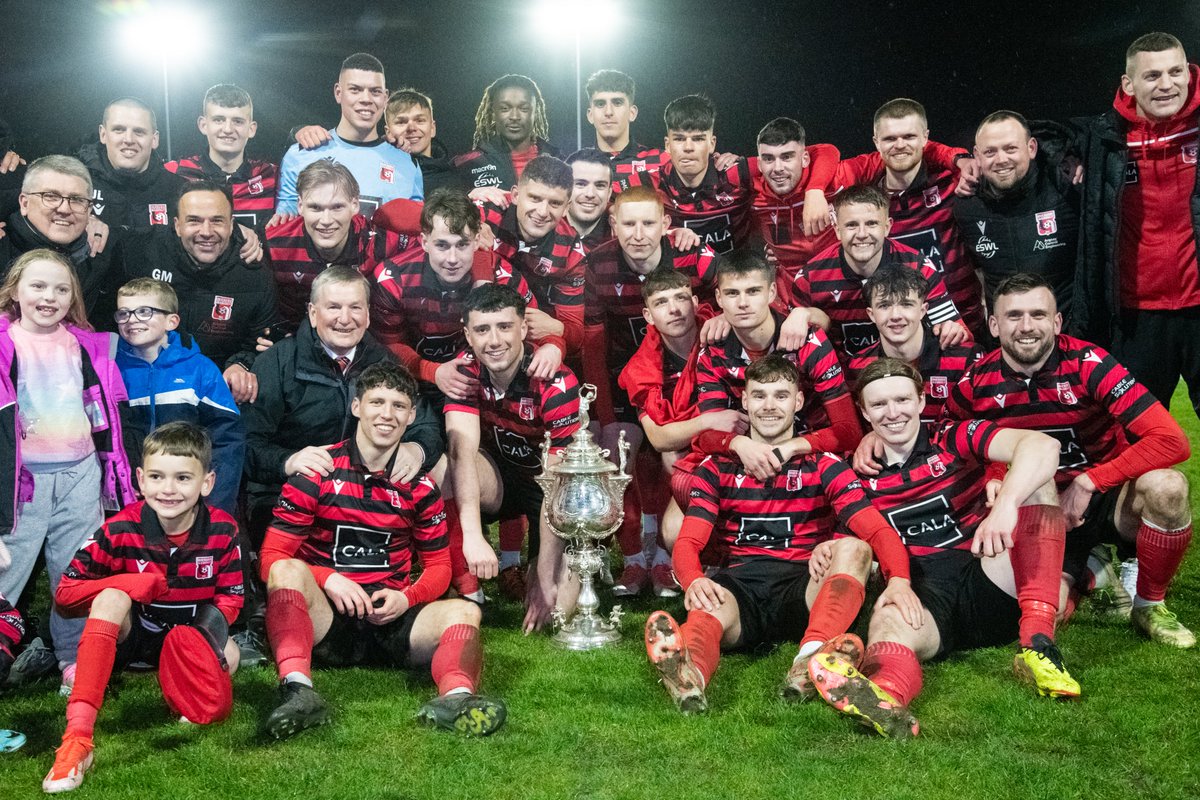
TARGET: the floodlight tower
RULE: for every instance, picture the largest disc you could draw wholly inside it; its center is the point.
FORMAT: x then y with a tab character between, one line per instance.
563	19
171	35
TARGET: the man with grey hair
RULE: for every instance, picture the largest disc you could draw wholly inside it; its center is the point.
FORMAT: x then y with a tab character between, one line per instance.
53	210
130	187
305	385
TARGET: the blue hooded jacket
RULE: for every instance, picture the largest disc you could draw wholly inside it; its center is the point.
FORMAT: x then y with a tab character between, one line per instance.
185	385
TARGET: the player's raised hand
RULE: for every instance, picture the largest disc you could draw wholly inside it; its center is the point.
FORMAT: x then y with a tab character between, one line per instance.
409	458
347	596
951	333
759	458
252	250
545	362
311	461
728	421
311	137
704	594
452	382
97	233
794	329
541	324
490	194
816	215
683	239
968	181
714	330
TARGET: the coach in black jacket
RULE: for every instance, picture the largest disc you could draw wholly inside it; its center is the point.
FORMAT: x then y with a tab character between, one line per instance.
225	303
1024	216
304	396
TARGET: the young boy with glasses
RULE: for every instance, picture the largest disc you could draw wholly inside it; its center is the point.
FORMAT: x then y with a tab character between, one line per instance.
169	380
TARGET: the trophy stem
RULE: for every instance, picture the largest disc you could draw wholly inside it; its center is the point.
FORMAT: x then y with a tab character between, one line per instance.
586	630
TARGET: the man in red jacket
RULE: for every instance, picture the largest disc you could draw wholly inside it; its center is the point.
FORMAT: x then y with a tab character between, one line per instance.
1139	282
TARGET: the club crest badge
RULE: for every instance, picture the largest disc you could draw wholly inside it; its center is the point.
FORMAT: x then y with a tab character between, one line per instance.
1188	153
525	411
932	197
255	184
158	213
936	467
793	480
204	568
387	173
222	308
939	387
1065	395
1046	224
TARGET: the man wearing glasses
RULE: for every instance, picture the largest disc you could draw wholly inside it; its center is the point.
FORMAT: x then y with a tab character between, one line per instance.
53	212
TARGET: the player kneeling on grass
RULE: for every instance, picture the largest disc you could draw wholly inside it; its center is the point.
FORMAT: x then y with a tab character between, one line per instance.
765	592
983	577
338	566
160	583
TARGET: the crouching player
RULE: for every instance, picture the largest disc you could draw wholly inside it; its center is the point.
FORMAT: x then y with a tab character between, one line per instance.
160	583
337	562
765	593
983	577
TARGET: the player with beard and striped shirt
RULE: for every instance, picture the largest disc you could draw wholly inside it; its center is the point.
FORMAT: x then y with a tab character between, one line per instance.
329	231
765	593
338	564
896	304
228	125
919	177
832	282
494	436
983	576
1117	443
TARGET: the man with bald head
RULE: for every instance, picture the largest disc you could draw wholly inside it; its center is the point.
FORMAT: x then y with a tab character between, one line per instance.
130	188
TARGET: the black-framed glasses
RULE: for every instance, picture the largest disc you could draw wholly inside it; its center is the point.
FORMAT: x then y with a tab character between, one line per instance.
77	202
141	313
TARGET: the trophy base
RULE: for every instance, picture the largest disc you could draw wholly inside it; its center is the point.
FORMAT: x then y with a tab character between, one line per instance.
586	633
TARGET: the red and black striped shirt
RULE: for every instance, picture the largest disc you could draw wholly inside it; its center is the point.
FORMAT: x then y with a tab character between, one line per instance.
940	369
718	210
828	283
358	523
721	374
553	267
923	218
297	263
1082	397
513	422
936	498
252	185
205	568
784	518
637	158
613	292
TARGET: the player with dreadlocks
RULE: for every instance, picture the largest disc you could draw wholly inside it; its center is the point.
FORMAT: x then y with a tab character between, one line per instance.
510	130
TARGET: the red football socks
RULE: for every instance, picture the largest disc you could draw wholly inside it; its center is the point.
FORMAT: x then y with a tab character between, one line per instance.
629	535
93	668
1037	557
835	607
454	533
290	630
1159	553
458	660
702	637
895	669
512	534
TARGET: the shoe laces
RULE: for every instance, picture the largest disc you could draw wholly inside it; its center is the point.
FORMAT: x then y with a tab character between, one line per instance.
1165	614
1047	650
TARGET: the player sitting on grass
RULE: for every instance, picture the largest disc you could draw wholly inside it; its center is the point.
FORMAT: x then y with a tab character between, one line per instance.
765	592
160	582
337	560
983	577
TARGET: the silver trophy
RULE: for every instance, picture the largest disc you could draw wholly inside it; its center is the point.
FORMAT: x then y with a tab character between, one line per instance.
584	504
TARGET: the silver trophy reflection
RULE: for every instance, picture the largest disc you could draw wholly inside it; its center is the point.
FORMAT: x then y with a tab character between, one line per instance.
584	504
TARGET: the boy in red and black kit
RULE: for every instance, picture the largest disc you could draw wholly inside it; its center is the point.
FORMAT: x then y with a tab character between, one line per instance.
337	560
160	582
766	593
228	125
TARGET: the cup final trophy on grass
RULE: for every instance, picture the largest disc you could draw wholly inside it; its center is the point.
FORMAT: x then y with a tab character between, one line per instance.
584	504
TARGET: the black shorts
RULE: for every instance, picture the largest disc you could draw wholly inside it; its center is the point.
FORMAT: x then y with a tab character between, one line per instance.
522	498
770	594
623	409
1099	527
969	610
352	642
143	646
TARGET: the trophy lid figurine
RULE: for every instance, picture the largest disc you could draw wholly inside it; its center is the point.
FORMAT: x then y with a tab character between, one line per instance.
584	504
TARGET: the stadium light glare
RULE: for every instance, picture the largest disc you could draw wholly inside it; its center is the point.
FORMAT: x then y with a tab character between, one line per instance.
568	20
169	36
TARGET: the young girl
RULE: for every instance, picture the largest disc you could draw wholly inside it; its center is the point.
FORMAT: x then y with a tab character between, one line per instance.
62	455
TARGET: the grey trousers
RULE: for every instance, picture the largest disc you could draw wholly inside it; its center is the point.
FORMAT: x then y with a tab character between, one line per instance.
64	513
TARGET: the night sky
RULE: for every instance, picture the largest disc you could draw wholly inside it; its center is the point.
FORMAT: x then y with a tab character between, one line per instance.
827	64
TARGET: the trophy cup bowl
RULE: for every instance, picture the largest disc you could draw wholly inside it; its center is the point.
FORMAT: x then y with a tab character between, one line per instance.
583	504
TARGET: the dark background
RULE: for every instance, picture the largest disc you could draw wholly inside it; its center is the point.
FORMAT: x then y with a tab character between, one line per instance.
827	64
